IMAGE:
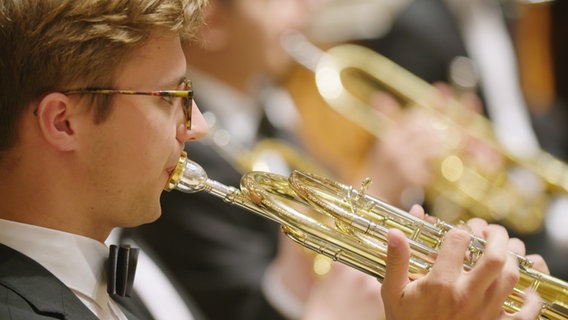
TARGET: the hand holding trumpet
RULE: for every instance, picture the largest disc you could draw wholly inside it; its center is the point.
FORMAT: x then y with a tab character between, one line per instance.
448	291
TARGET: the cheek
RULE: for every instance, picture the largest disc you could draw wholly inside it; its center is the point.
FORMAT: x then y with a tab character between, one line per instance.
155	140
143	132
158	144
125	159
154	126
138	142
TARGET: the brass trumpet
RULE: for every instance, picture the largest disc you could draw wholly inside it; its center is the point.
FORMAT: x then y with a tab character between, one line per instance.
350	226
516	193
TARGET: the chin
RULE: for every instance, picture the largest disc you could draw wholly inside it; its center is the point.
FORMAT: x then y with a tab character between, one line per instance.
140	220
154	215
146	214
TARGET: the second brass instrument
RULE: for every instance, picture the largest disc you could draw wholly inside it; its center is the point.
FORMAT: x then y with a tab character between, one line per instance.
516	193
350	226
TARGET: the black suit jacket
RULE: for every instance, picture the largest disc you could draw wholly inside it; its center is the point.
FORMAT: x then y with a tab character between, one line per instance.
217	252
29	291
551	125
424	38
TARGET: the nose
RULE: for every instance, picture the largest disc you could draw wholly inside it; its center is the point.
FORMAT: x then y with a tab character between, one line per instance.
198	127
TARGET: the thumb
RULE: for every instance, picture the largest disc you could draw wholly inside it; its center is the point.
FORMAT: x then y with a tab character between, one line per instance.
398	259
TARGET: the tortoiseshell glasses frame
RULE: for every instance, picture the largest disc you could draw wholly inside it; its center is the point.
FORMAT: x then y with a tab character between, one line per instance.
186	96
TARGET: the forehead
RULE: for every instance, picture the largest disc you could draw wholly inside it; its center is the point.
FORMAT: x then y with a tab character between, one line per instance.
158	63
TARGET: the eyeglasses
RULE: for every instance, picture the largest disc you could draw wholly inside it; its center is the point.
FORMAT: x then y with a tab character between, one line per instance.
186	95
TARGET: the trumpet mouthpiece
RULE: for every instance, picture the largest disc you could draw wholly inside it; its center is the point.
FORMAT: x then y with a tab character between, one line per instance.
188	176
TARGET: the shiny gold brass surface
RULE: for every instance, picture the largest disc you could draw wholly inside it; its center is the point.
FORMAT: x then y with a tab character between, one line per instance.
350	226
515	191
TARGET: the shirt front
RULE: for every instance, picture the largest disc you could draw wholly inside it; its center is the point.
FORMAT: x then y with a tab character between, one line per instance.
75	260
486	38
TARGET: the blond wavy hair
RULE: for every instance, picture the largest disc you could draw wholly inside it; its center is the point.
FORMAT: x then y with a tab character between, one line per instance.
46	45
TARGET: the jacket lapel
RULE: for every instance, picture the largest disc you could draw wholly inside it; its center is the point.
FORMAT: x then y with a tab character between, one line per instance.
39	287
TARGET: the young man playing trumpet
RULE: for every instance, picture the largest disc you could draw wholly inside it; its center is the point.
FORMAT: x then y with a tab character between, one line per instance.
96	110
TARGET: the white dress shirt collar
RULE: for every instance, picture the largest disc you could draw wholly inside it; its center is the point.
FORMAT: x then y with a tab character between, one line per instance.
75	260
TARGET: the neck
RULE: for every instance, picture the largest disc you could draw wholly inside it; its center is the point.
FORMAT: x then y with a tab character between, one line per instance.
30	193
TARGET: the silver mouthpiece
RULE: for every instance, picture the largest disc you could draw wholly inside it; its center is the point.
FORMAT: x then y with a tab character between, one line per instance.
188	176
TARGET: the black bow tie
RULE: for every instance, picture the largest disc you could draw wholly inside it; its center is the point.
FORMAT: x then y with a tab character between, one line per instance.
121	266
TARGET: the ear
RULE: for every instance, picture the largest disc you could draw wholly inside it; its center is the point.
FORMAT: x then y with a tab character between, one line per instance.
54	116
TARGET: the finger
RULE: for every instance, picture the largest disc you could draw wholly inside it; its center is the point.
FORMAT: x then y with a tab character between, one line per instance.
490	266
539	264
476	226
471	101
417	211
398	259
449	263
507	280
531	308
431	219
444	89
517	246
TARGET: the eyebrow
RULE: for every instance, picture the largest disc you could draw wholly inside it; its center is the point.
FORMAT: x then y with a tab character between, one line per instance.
174	83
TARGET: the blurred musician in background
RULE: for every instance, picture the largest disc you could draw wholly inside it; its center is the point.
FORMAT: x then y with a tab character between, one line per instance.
485	47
